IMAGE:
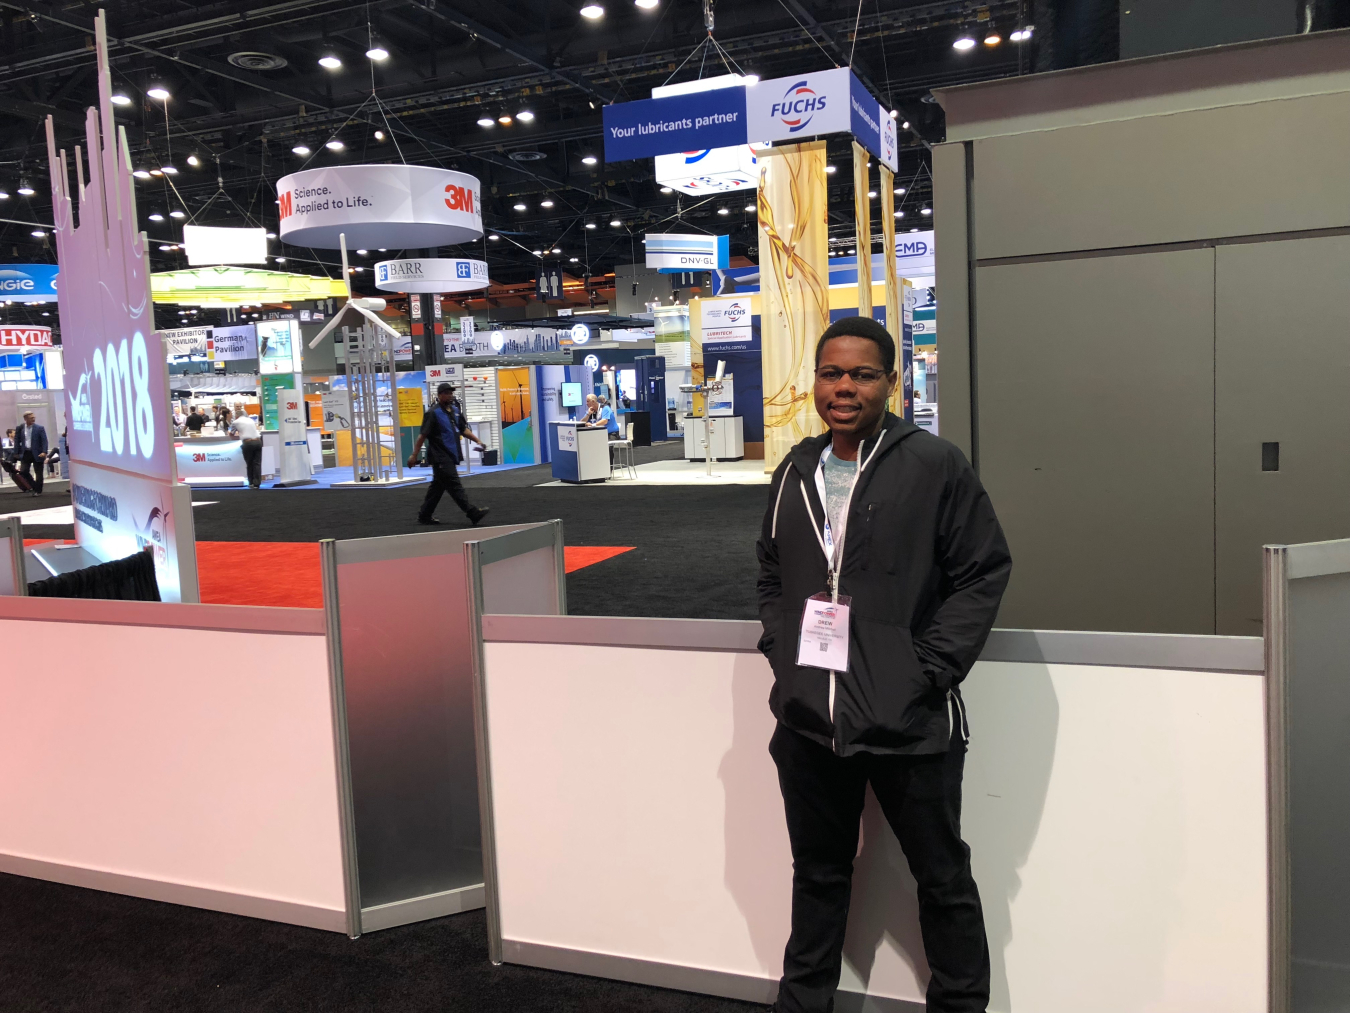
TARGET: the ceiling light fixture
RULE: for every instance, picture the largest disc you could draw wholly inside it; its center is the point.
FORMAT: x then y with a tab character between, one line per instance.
494	237
899	189
301	149
1022	34
574	260
992	39
119	99
899	214
647	5
538	253
750	207
25	187
525	116
666	189
141	173
522	207
156	172
194	161
905	125
271	235
486	121
591	225
377	51
363	253
335	145
156	217
871	193
895	114
168	170
592	11
38	234
177	214
723	211
165	249
556	250
589	160
829	168
379	135
4	194
330	61
158	91
925	211
963	43
504	120
281	260
616	223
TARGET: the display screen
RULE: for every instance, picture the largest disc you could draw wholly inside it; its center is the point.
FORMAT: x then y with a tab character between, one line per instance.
571	395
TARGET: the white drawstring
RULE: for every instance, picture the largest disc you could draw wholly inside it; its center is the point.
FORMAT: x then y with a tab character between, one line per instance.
773	531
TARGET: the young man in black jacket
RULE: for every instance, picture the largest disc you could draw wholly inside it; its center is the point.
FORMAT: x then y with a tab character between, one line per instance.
881	570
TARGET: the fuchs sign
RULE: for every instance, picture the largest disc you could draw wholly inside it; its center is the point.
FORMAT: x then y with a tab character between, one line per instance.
448	274
396	206
25	337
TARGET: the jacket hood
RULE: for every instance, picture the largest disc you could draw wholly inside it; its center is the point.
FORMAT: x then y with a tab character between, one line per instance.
806	454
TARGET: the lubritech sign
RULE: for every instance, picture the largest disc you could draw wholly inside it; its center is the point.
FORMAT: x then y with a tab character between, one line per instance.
781	109
395	206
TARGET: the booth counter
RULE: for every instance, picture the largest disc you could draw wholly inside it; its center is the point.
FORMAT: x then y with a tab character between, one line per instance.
210	460
578	453
728	438
318	784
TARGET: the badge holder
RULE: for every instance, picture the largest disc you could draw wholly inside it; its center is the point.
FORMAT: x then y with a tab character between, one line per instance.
823	642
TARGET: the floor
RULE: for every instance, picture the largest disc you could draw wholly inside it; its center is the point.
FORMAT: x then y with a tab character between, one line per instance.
638	549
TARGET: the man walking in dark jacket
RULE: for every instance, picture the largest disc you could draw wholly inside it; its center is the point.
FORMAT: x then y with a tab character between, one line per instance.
442	426
30	450
881	570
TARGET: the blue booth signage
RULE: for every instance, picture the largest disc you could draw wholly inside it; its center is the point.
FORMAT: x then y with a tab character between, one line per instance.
28	282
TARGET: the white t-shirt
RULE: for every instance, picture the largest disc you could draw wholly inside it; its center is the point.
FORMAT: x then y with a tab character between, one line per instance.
245	427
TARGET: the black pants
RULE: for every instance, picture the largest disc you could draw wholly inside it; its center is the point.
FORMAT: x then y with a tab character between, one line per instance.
252	450
921	798
445	479
29	465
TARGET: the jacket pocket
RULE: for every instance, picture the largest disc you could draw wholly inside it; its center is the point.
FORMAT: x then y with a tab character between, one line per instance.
886	701
801	696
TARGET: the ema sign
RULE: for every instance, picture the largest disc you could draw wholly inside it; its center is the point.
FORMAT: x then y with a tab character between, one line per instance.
448	274
25	337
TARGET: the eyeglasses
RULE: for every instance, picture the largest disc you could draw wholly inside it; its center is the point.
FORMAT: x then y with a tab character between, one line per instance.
862	376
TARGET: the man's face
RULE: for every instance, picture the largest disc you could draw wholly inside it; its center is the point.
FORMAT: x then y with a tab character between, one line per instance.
849	407
445	397
28	418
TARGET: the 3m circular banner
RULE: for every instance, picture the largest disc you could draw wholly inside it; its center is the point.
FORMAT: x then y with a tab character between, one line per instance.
441	274
399	206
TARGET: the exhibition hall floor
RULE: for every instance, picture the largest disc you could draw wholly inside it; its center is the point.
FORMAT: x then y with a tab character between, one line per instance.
668	550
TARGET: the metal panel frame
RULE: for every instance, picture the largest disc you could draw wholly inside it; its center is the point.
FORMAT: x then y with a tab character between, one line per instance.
111	612
11	529
1279	874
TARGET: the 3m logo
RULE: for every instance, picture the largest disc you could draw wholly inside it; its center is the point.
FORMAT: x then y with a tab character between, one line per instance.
459	198
797	107
291	406
285	205
198	458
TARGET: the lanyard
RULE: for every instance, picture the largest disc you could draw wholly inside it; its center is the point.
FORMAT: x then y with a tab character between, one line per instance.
834	551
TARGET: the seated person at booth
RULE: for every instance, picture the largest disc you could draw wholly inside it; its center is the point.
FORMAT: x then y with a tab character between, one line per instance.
607	419
913	552
592	410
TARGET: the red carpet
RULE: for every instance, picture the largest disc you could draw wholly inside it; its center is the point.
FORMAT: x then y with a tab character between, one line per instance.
286	574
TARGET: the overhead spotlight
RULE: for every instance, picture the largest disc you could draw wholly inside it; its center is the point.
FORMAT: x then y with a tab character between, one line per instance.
592	11
271	235
723	211
38	234
156	172
925	211
363	253
556	250
156	217
177	214
165	249
25	187
546	204
852	250
330	61
168	170
4	194
1022	34
616	223
591	225
141	173
335	145
905	125
992	39
193	161
871	193
915	229
377	52
589	160
647	5
899	214
895	114
574	260
379	135
120	99
158	91
504	120
494	237
829	168
486	121
301	149
281	260
963	43
666	189
899	189
525	116
522	207
750	207
538	253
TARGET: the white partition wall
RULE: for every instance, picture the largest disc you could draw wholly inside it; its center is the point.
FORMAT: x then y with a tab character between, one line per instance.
1114	804
13	568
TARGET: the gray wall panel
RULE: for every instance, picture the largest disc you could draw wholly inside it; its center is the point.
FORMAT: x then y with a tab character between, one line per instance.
1164	179
1096	439
1282	374
953	341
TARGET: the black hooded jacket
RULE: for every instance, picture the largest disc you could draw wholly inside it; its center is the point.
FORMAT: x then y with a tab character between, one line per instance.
925	563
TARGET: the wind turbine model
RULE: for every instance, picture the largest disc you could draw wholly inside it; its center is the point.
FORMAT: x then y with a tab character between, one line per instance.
368	308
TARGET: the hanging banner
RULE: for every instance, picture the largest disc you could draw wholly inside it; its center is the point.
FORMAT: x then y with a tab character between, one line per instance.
278	346
441	274
658	126
25	337
336	406
229	344
395	206
182	342
671	252
209	245
28	282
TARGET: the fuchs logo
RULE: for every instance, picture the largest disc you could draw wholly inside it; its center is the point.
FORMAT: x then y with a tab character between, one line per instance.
285	205
733	313
690	157
799	104
459	198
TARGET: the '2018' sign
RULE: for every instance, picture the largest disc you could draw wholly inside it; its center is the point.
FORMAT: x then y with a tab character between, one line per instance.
126	416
